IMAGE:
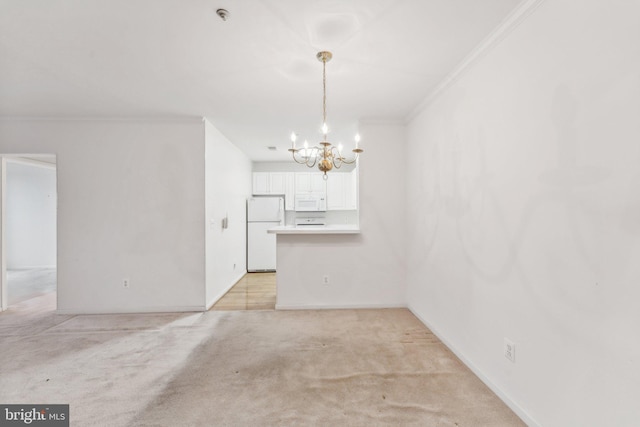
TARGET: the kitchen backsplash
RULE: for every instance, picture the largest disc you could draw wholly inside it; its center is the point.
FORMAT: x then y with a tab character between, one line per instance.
331	217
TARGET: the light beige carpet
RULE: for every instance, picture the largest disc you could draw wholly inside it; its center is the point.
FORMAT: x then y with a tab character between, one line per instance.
253	368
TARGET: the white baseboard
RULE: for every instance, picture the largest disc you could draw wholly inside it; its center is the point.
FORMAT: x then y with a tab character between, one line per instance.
335	307
524	416
137	310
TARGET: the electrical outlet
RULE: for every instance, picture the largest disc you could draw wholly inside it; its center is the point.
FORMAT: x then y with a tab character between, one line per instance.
509	350
325	280
126	283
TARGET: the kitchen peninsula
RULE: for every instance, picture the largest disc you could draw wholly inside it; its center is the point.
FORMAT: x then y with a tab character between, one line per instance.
318	262
318	266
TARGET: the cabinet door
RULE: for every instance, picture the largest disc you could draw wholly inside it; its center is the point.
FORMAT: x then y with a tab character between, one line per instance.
303	182
351	191
336	191
261	183
277	183
318	184
289	191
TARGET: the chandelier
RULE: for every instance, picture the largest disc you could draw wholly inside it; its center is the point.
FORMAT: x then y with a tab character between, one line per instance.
326	156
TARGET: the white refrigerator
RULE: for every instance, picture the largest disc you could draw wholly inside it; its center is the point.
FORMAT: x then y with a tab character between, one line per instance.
263	213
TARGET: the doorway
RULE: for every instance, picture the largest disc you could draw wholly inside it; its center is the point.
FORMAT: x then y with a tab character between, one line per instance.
29	232
255	291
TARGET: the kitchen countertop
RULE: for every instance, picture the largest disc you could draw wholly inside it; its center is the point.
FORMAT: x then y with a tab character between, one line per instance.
315	229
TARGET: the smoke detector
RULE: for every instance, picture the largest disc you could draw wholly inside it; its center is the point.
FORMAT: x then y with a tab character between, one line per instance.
223	14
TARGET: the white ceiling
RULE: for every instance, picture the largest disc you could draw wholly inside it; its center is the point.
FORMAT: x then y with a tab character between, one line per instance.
255	76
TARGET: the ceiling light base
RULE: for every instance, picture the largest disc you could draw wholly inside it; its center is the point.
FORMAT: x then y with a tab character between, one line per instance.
223	14
324	56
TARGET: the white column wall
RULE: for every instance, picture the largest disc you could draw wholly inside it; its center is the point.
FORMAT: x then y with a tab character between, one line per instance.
228	186
365	270
524	214
130	205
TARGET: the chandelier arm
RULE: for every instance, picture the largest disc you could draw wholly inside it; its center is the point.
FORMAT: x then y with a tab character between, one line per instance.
301	161
336	158
314	156
352	161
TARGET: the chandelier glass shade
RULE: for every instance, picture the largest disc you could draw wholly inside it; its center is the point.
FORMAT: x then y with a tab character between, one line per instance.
325	155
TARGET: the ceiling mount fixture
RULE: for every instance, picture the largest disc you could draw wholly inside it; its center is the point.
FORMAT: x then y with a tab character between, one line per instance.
326	156
223	14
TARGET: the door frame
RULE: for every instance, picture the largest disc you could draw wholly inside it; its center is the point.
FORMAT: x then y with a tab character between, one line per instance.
28	159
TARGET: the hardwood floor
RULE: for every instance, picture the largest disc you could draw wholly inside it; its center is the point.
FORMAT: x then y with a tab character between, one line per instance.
255	291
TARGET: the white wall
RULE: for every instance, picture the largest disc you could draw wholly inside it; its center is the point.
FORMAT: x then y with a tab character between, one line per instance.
228	186
31	215
524	215
365	270
130	205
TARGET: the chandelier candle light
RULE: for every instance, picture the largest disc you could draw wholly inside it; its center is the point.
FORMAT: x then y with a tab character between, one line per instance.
326	156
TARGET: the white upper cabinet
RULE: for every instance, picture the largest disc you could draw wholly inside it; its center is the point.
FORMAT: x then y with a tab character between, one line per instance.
275	183
351	191
310	182
335	191
318	184
340	187
303	182
341	191
261	183
289	191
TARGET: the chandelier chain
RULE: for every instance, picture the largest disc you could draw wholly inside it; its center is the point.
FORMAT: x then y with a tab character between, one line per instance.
324	94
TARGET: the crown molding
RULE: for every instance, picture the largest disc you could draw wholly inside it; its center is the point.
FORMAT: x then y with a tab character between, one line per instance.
508	24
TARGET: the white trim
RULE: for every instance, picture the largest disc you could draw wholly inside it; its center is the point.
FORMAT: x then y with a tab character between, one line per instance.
137	310
497	390
335	307
508	24
223	293
19	159
3	257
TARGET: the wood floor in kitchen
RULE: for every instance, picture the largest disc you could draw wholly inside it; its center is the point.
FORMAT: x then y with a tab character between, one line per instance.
255	291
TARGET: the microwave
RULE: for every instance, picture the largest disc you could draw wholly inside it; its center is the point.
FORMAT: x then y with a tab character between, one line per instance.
310	202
